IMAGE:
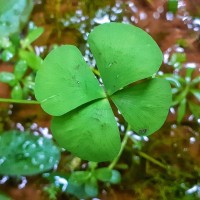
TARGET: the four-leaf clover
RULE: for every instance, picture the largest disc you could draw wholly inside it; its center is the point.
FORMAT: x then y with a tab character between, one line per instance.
83	121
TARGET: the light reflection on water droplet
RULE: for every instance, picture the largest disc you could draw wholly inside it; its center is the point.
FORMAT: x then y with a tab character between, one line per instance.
191	117
4	179
143	16
26	144
34	161
41	156
61	181
51	159
20	126
41	166
34	126
192	140
45	132
2	160
172	110
169	16
26	154
33	146
122	128
23	183
195	188
40	141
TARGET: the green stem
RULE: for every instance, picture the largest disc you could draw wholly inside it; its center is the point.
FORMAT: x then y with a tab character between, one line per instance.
153	160
18	101
167	168
96	72
124	141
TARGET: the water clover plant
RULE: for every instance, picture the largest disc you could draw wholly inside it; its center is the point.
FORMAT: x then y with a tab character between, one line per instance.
83	121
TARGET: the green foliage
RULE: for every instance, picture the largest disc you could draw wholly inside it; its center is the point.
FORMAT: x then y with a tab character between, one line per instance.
172	5
20	51
121	62
16	92
24	154
186	94
14	15
7	77
68	90
4	197
33	35
20	69
177	59
82	184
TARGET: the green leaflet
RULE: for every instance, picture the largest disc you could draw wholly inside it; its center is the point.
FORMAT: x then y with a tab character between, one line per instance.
181	110
145	105
65	81
89	132
123	61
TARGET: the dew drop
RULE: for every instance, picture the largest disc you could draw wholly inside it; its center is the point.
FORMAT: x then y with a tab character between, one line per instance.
33	146
23	183
41	166
40	141
51	159
192	140
34	161
4	179
2	160
41	156
26	155
109	65
26	144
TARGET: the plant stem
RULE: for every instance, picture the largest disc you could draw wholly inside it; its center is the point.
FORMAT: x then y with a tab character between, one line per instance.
18	101
124	141
153	160
167	168
96	72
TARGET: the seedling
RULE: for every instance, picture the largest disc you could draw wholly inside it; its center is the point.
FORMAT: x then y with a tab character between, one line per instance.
26	61
83	121
82	184
183	88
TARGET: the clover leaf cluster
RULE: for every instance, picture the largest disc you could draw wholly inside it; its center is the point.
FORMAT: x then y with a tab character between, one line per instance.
83	121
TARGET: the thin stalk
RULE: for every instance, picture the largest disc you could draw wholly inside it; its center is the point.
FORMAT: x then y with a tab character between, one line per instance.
167	168
96	72
153	160
124	141
18	101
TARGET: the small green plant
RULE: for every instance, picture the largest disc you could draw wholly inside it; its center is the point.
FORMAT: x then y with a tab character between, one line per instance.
21	80
83	120
186	94
15	47
82	184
